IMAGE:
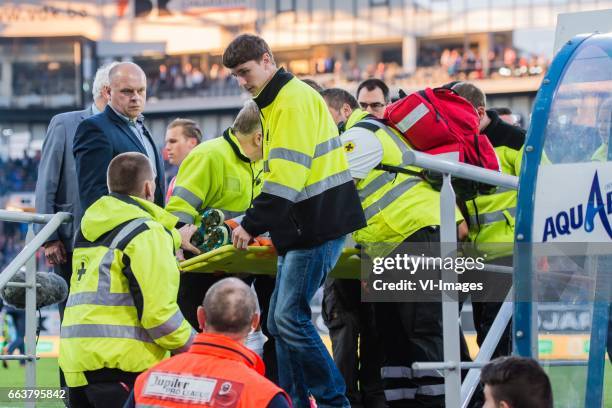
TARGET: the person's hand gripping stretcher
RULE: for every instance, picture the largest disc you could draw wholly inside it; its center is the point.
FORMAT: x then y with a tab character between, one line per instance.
215	231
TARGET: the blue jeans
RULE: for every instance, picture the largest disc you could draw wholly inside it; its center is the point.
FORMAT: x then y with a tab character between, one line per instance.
304	364
17	343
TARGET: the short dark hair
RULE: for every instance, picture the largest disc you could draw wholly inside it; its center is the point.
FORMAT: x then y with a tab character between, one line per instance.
229	306
472	93
247	121
127	173
336	97
449	85
313	84
190	128
519	381
244	48
371	84
502	111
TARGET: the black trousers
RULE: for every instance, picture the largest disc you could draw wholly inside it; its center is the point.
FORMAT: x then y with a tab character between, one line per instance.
485	312
412	332
356	344
65	271
193	287
106	388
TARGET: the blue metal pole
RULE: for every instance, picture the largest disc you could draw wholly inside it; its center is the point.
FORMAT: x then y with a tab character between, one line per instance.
600	325
597	351
525	335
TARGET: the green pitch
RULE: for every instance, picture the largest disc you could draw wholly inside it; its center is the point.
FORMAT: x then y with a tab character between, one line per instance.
569	385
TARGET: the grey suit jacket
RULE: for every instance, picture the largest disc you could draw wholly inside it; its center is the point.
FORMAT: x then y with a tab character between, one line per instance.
56	186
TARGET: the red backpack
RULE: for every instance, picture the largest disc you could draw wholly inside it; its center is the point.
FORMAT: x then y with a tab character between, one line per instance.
439	121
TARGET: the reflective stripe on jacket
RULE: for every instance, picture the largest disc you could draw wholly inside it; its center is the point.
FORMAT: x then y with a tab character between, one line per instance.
492	216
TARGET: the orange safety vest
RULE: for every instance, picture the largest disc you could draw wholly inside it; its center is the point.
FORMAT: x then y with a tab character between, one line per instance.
216	372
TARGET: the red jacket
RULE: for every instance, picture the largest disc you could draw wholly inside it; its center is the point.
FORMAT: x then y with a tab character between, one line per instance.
216	372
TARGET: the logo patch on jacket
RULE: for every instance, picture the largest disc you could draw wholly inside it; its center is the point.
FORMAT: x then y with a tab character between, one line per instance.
349	147
206	391
83	263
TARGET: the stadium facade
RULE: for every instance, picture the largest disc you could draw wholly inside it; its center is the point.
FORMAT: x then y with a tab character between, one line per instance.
50	50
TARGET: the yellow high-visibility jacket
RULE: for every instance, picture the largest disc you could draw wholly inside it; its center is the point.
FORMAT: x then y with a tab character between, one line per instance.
122	311
492	216
308	196
215	174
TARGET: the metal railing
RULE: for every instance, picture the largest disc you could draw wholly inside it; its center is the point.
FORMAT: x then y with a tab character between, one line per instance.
26	257
453	389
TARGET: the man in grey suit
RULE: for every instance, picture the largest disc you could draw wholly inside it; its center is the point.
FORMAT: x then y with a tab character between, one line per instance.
56	187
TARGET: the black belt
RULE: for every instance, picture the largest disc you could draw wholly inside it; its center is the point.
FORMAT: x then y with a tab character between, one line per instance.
110	375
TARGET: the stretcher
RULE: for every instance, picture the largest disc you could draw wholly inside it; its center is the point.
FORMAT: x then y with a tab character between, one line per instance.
261	260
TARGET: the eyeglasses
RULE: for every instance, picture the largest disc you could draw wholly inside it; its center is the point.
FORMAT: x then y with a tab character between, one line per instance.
374	106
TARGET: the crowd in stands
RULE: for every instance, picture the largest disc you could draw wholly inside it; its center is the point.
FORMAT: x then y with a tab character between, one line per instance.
433	67
468	64
18	174
177	81
12	239
15	175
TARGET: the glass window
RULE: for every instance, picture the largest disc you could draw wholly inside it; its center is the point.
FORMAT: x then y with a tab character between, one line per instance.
457	5
283	6
422	4
579	122
374	3
43	78
439	5
477	4
44	73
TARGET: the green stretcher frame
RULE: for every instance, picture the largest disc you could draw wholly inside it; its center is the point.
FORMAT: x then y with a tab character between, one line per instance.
261	260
